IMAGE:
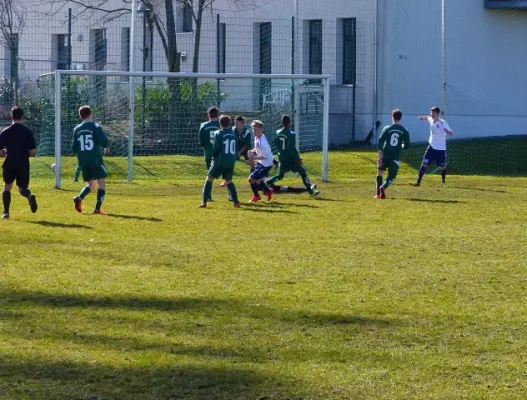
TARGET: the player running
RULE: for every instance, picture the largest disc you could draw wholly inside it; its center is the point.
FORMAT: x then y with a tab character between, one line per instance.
393	139
263	154
436	150
223	160
88	140
17	142
289	157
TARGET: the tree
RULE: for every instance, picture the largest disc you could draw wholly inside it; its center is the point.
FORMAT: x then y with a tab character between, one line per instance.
12	21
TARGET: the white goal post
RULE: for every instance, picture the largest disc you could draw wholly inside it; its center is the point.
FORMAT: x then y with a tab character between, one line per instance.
275	94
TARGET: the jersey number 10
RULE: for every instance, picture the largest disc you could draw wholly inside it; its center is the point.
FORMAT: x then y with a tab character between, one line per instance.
230	146
86	142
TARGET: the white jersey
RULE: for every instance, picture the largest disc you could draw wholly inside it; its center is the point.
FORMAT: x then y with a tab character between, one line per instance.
263	149
437	133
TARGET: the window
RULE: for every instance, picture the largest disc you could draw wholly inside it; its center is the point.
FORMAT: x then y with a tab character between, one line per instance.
222	35
148	58
265	48
125	49
315	46
265	58
349	51
62	53
98	49
512	4
187	16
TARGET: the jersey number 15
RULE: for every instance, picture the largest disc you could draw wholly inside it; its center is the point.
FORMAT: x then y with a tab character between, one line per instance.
86	142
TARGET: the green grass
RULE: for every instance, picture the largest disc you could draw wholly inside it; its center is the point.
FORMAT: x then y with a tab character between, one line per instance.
421	295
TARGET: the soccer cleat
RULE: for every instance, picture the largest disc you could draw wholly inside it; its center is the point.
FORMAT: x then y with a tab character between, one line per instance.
314	193
443	184
383	193
237	205
203	204
255	199
314	186
5	216
78	204
100	212
377	196
270	194
416	184
223	184
33	203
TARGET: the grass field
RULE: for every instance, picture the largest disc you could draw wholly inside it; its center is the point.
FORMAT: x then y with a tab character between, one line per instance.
421	295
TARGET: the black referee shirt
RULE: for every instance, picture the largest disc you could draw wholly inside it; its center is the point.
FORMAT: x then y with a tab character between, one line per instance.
18	140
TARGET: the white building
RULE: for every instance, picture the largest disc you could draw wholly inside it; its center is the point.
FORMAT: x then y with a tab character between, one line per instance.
381	54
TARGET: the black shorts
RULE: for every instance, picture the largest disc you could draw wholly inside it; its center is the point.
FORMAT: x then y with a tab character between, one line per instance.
18	173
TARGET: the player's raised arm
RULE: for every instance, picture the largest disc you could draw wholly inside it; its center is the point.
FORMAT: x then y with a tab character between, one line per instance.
447	129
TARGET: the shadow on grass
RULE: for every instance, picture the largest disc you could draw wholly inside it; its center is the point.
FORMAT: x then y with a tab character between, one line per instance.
438	201
137	217
269	210
153	358
127	380
294	205
52	224
479	189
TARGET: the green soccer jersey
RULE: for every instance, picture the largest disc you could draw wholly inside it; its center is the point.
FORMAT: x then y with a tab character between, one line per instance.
206	136
224	149
243	138
88	141
393	139
285	145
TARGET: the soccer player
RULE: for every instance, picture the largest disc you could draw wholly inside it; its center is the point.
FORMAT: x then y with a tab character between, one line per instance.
88	140
18	144
436	150
289	157
263	154
207	130
393	139
223	160
243	138
206	133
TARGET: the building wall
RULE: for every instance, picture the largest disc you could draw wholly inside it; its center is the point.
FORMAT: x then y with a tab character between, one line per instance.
486	54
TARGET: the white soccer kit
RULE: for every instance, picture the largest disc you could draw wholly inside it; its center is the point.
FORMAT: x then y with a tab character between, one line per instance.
263	149
438	134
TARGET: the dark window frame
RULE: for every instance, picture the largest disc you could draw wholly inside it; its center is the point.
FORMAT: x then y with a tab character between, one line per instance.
349	51
315	47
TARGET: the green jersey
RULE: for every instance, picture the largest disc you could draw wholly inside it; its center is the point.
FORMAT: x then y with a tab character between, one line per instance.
224	149
207	130
285	145
88	142
243	138
393	139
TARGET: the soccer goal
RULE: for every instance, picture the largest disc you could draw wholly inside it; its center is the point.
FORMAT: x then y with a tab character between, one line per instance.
152	119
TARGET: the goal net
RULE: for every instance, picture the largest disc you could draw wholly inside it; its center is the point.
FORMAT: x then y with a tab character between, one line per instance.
159	139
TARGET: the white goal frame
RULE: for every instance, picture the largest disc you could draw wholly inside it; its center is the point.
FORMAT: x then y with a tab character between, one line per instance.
185	75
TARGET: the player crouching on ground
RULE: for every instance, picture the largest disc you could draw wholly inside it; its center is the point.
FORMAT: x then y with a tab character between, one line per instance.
263	154
88	139
223	160
18	144
393	139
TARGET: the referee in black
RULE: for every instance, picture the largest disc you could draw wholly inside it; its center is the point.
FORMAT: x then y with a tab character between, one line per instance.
17	143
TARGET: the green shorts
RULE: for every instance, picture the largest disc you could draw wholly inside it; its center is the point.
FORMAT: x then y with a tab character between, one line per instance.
217	171
392	166
93	172
284	168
